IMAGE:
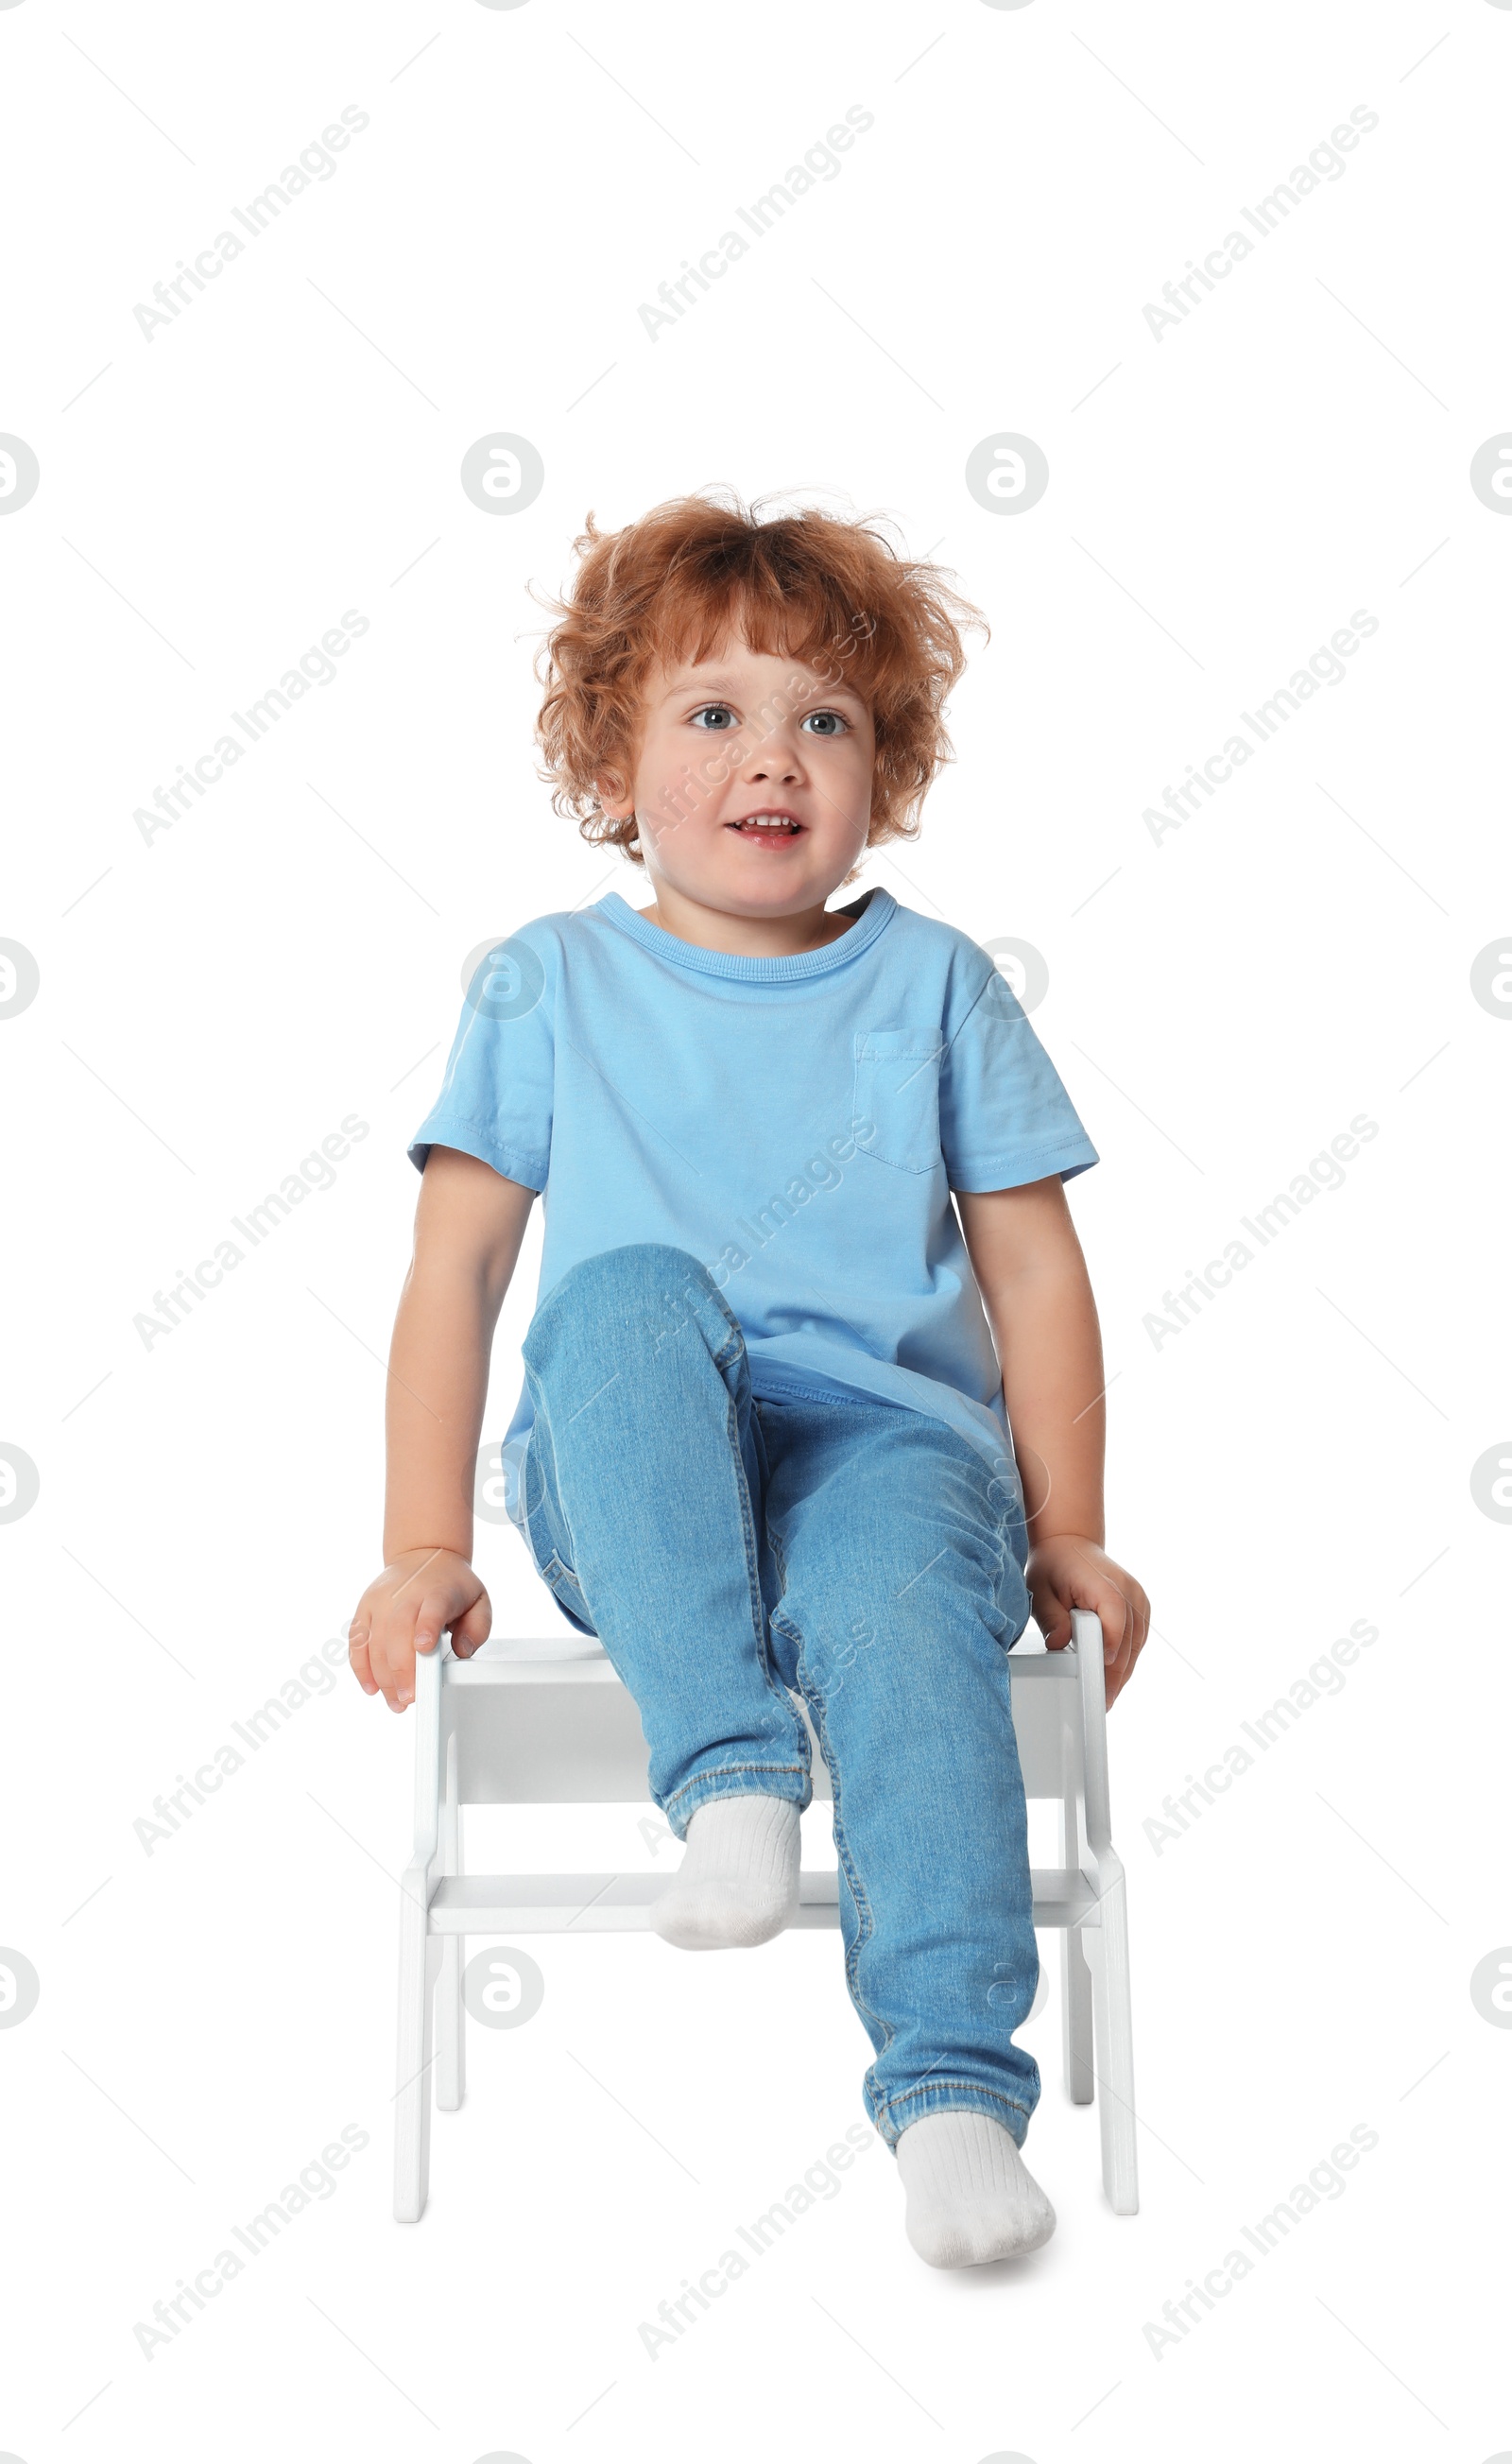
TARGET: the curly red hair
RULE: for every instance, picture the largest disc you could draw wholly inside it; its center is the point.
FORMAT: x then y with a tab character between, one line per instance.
806	585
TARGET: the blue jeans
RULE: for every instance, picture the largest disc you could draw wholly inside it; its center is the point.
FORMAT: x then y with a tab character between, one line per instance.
729	1551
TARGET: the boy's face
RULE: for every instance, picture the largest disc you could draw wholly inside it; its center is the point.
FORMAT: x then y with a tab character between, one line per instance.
742	733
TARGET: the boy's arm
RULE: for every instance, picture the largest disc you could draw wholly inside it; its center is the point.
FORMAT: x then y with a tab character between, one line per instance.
469	1225
1034	1284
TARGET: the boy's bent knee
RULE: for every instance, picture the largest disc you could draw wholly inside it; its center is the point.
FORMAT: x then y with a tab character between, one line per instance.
641	1269
646	1284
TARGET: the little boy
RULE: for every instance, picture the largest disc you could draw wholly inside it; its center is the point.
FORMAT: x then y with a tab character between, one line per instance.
802	1170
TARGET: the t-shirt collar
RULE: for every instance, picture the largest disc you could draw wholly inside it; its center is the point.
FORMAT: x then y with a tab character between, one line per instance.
872	910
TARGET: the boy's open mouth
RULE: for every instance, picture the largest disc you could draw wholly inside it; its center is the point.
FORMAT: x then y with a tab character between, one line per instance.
770	830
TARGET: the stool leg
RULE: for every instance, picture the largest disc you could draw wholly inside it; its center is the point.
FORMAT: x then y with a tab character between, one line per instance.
412	2101
1114	2026
1076	2017
1076	1977
450	2060
451	2079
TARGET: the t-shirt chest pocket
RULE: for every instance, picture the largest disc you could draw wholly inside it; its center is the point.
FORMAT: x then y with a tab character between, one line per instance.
896	1095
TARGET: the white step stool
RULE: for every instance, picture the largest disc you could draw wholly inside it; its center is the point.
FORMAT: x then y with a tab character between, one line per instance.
549	1723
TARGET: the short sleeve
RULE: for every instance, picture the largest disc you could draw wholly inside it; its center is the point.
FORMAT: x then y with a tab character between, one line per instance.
495	1099
1005	1117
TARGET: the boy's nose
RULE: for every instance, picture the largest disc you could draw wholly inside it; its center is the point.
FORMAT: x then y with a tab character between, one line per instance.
772	761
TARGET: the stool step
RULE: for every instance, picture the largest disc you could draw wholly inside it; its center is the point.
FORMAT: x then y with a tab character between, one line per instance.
465	1903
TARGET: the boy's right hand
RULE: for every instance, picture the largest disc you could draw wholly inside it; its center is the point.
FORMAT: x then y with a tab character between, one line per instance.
408	1609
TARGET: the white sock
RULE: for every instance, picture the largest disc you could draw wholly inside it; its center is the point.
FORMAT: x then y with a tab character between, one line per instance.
971	2196
738	1883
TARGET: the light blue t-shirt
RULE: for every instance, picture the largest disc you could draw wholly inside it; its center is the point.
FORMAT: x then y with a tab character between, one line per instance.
797	1124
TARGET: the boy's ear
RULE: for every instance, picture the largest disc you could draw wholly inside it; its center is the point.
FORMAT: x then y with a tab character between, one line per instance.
609	787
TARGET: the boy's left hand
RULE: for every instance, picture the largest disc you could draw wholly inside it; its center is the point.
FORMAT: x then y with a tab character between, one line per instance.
1069	1573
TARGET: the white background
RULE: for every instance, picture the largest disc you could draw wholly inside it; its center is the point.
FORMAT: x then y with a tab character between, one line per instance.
1222	1004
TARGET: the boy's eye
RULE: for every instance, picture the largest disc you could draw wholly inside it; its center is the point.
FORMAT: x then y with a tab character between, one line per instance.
722	720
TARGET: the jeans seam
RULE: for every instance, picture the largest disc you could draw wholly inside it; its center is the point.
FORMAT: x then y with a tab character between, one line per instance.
959	2087
866	1924
554	1555
853	1396
747	1534
724	1770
